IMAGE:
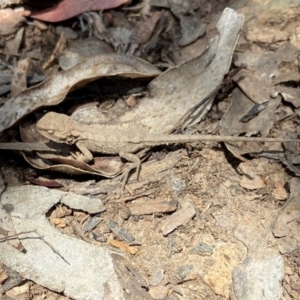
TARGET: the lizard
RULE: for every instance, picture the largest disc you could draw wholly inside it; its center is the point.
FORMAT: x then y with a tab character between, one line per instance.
127	142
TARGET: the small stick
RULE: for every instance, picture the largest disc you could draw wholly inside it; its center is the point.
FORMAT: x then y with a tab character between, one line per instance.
41	237
39	146
16	235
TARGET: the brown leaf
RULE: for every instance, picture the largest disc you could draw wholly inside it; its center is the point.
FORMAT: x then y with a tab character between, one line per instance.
53	90
255	85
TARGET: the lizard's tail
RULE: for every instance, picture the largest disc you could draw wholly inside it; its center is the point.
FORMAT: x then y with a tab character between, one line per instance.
163	139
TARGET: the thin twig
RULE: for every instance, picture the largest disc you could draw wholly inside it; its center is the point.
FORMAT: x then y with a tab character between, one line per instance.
41	237
15	235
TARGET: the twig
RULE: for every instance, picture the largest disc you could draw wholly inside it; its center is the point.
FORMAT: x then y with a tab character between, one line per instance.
15	235
41	237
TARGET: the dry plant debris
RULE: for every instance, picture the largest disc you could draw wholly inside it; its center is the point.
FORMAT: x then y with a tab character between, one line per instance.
199	222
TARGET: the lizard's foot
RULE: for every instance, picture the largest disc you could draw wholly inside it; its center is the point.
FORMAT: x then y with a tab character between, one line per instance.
126	173
85	155
135	163
79	156
124	178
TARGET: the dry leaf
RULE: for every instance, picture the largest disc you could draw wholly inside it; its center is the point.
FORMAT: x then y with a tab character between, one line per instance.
53	90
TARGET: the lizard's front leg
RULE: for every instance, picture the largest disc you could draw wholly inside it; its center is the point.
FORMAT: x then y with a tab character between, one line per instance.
134	163
85	154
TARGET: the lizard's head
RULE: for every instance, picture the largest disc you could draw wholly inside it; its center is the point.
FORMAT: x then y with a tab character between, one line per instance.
57	127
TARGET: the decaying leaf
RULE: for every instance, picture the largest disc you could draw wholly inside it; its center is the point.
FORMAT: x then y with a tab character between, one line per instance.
54	90
268	62
256	86
249	277
109	166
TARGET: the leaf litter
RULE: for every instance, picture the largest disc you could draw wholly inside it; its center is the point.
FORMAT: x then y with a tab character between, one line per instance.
212	197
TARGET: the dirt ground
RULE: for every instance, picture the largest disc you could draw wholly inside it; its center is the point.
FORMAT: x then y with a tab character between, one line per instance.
205	220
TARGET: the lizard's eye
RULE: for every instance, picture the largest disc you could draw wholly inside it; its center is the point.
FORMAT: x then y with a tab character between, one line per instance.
50	132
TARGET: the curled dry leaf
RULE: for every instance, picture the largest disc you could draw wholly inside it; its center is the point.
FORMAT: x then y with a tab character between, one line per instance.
43	182
54	90
109	166
175	92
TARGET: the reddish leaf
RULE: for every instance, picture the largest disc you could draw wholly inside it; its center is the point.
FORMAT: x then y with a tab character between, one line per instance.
43	181
67	9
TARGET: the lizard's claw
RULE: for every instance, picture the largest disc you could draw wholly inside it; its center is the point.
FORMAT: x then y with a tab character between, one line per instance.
124	177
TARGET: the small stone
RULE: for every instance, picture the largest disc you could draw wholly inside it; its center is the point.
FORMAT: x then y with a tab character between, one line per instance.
203	249
156	277
124	213
177	184
279	193
252	184
131	101
68	32
183	271
159	292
